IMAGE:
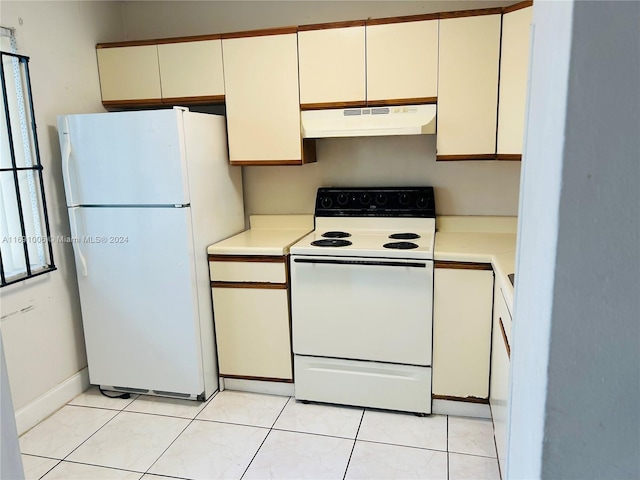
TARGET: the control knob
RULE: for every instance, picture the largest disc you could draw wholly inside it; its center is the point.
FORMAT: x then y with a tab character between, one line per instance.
404	199
381	199
365	199
326	202
343	198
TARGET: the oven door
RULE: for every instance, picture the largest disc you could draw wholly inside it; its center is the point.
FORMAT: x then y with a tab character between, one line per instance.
362	308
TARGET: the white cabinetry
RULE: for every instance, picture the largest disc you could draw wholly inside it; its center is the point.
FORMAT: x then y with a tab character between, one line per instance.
461	330
514	67
397	63
129	74
332	65
262	98
402	61
469	51
180	72
251	316
500	365
191	69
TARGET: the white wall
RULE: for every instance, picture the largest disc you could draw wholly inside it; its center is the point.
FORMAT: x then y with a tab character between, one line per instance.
158	19
462	188
575	363
40	318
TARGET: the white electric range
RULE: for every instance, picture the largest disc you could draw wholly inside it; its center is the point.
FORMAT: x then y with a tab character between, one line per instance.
362	297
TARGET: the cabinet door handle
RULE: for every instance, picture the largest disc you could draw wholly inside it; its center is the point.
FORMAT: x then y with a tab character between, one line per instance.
360	262
504	337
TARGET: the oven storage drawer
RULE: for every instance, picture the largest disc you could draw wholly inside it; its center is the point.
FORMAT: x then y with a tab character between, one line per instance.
367	384
362	308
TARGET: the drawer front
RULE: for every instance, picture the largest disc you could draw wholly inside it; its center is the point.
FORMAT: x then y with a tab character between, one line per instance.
250	271
367	384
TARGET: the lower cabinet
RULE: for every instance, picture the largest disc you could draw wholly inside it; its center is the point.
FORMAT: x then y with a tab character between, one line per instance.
462	305
251	317
500	365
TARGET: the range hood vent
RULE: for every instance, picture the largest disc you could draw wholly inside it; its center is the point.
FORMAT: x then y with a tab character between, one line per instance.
369	121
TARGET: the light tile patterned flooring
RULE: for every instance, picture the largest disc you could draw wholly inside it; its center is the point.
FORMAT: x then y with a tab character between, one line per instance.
251	436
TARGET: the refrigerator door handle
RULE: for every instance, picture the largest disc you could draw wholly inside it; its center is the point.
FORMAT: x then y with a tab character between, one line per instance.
66	155
75	240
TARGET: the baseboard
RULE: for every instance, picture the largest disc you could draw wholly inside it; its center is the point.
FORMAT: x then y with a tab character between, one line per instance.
43	406
460	409
257	386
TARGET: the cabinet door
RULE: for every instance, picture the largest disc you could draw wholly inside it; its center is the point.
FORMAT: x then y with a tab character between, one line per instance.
461	332
402	61
262	98
191	69
129	73
514	68
252	332
500	364
468	86
332	68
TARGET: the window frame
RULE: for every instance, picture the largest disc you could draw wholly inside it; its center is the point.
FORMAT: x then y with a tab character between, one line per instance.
36	168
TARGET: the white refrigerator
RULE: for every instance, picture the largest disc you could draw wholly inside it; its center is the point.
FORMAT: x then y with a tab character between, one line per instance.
146	193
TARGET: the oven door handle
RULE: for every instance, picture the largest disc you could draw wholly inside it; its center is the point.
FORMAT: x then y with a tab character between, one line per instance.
378	263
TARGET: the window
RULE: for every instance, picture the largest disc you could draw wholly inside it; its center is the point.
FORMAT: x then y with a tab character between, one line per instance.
25	247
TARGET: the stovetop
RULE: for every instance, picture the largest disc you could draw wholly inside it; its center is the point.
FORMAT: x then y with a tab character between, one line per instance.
389	222
370	243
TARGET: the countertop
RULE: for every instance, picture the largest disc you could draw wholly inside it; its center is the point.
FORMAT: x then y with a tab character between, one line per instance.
480	240
267	235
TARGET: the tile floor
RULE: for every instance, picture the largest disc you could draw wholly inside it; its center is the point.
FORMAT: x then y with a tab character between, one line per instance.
251	436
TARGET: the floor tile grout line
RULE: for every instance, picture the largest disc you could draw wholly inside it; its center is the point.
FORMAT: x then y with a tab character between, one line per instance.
58	462
474	455
448	456
78	446
138	412
169	446
353	447
265	438
280	414
95	407
313	433
231	423
191	420
404	446
495	444
75	462
90	436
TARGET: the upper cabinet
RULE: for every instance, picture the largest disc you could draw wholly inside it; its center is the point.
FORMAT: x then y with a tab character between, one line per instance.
166	73
332	65
473	64
468	87
191	69
514	67
387	61
262	98
402	61
129	74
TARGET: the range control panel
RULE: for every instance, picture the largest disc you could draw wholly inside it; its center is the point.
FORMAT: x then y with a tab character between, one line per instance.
376	202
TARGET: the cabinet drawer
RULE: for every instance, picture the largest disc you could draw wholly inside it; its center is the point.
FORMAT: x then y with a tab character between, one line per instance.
273	271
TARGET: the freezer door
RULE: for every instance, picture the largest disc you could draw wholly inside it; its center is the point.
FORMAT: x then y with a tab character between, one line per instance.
124	158
138	296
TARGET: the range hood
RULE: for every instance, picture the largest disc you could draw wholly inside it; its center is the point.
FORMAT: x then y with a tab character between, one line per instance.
369	121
